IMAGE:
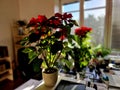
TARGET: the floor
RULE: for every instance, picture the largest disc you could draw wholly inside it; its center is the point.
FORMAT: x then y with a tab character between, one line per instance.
18	80
11	85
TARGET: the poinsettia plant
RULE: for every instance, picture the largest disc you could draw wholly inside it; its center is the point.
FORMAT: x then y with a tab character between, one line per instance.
79	48
48	36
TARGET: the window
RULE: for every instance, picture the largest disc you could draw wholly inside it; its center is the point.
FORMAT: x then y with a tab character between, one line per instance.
94	16
92	13
72	8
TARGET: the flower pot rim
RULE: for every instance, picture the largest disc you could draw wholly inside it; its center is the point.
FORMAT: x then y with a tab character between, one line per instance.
49	70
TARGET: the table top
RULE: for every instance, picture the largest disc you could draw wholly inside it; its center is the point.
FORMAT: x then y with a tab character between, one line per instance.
33	84
41	86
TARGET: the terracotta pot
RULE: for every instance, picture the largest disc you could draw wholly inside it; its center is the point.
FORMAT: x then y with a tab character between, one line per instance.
50	79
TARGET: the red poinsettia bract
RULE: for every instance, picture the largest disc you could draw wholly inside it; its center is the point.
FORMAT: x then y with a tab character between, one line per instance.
82	31
43	26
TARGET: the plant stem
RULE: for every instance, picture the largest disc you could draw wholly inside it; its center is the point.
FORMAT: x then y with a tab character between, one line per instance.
57	57
45	60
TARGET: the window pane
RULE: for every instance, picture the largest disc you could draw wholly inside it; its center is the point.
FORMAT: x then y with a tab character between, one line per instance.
96	13
94	3
70	7
75	15
95	20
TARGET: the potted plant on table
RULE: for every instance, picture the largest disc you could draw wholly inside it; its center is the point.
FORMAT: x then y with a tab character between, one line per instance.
79	49
47	36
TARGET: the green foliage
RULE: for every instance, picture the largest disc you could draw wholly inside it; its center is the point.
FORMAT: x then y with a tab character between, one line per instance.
79	49
36	65
48	37
101	51
32	54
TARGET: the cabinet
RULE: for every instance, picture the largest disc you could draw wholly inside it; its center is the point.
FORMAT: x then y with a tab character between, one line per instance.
6	71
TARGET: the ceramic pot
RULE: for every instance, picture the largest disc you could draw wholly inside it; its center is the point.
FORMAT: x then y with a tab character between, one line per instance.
50	79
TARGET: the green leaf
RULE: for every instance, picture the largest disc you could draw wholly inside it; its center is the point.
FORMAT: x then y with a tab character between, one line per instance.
68	28
84	63
36	65
77	39
75	22
70	38
27	50
68	63
24	41
44	64
32	56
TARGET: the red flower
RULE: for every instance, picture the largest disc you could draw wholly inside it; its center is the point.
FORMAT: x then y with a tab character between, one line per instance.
37	32
43	29
62	37
86	29
37	21
82	31
70	16
41	18
58	15
54	22
66	15
33	21
57	22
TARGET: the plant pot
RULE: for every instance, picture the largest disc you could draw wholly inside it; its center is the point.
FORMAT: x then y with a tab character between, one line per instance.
50	79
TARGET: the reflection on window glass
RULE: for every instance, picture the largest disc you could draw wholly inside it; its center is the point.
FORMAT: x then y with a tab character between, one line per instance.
94	4
70	7
95	19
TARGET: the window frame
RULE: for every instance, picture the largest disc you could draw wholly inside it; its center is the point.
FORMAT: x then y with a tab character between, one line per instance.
108	19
